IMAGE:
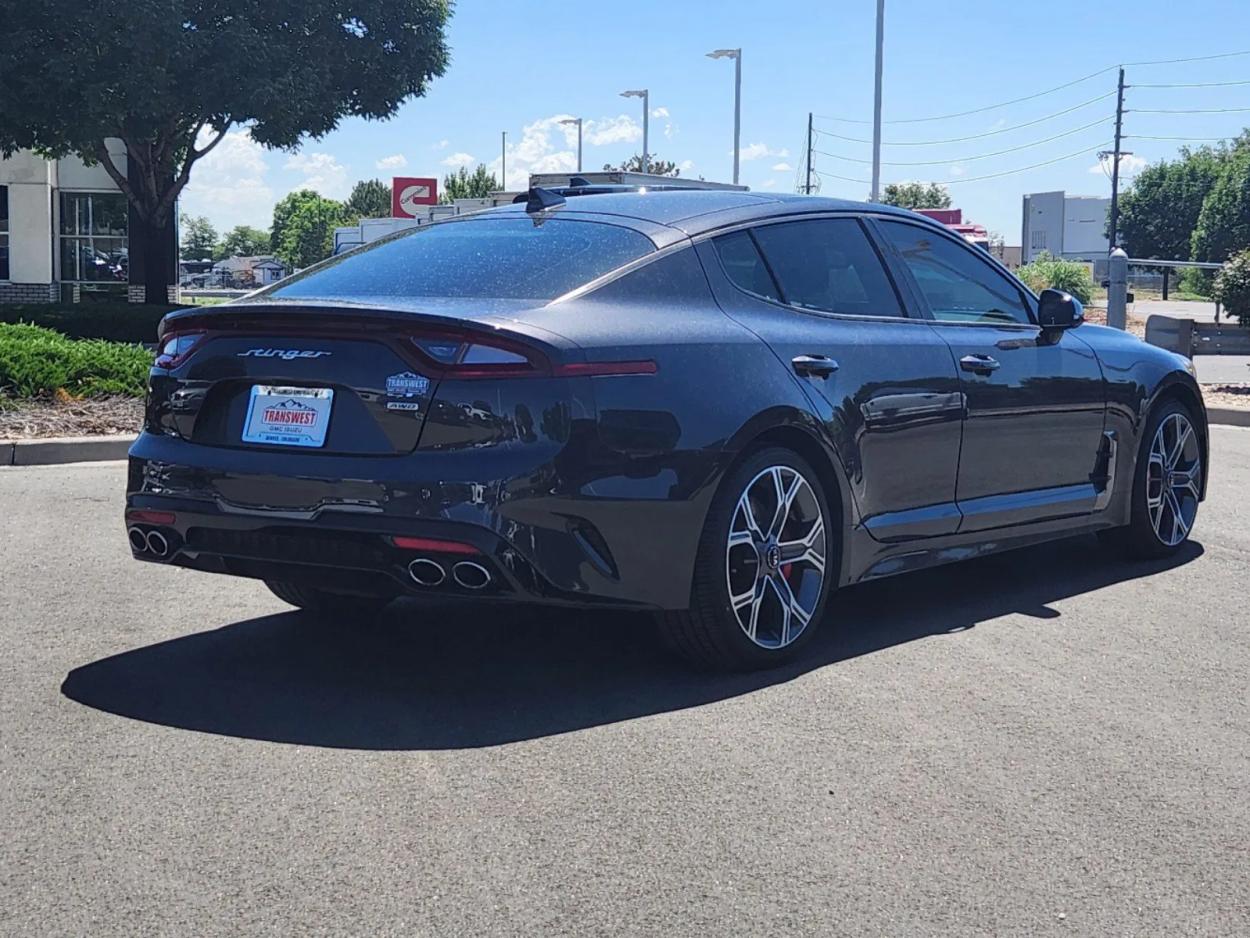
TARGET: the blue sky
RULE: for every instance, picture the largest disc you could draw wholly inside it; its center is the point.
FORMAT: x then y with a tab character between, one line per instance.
521	66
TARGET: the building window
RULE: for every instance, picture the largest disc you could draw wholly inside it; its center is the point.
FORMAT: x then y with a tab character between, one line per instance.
4	232
94	239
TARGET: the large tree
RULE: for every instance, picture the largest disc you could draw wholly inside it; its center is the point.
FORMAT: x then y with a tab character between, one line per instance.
171	77
243	241
199	238
1160	210
916	195
307	231
370	198
655	166
465	185
1223	227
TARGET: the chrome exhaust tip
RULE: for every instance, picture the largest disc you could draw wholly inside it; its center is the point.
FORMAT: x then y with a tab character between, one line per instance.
138	540
470	575
157	544
426	572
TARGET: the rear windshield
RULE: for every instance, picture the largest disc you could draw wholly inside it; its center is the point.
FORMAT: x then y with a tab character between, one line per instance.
487	257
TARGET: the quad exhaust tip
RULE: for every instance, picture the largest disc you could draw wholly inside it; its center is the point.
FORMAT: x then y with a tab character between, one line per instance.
426	572
148	542
470	575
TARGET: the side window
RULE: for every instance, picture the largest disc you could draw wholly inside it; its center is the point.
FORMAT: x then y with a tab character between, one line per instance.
958	285
744	266
828	264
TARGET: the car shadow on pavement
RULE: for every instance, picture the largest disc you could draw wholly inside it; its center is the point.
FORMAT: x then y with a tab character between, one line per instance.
453	677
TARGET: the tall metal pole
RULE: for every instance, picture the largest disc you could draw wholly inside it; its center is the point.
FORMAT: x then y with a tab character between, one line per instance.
646	113
503	164
737	111
1115	166
807	188
876	107
579	144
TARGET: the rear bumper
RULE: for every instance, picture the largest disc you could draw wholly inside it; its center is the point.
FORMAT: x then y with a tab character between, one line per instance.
533	521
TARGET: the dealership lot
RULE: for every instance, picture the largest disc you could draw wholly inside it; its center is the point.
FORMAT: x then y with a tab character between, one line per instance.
1048	741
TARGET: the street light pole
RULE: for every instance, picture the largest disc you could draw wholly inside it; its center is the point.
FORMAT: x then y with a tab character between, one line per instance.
578	122
736	55
645	94
503	160
876	108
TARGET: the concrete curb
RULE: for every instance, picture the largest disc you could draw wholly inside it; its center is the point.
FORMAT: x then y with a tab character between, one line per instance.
63	449
1228	416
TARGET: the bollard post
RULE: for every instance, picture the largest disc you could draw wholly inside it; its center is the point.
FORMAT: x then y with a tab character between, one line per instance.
1117	289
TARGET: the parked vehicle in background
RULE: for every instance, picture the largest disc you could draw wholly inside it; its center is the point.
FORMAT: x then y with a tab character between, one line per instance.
717	406
953	218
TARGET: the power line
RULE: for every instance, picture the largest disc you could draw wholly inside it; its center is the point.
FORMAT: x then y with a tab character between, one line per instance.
979	110
1208	110
988	133
967	159
1182	139
1006	172
1039	94
1196	84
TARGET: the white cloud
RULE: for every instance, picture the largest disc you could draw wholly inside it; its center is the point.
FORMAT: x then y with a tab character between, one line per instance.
686	165
456	160
756	151
609	130
323	173
229	185
768	184
398	161
1129	164
659	112
957	169
782	167
442	145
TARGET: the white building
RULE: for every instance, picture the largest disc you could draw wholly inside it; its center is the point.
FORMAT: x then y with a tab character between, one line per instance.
1068	226
65	230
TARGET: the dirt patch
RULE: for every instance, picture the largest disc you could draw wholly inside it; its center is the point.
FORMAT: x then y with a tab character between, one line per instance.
1098	316
97	416
1233	396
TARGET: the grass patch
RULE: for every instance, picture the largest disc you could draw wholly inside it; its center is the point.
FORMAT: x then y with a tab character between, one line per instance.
39	363
117	322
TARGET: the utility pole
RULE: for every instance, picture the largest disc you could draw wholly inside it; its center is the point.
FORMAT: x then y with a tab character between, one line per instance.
807	188
736	55
1115	165
645	94
578	122
503	165
876	107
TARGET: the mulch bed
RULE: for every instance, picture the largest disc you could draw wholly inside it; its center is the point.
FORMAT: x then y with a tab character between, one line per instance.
97	416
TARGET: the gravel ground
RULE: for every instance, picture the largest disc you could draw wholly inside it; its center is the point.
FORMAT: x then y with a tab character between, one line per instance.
1236	396
1051	742
98	416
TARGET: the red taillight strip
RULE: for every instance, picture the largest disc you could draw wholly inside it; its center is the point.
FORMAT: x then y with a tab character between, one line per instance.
577	369
434	545
151	517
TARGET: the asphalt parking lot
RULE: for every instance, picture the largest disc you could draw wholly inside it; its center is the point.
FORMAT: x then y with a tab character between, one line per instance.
1045	742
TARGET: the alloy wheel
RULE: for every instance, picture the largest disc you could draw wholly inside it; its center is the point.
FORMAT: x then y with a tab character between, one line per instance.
775	557
1173	475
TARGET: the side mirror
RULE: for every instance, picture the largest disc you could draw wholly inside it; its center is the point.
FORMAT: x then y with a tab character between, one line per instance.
1059	310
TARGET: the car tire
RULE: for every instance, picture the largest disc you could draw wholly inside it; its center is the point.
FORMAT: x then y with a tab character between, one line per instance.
328	605
1163	514
736	554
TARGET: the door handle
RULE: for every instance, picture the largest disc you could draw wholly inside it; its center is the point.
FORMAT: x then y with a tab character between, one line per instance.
978	364
819	366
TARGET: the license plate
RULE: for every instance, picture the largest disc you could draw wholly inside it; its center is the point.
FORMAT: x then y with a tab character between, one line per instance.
288	416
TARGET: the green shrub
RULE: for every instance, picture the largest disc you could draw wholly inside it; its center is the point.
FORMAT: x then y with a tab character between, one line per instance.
1232	286
1047	272
37	362
117	322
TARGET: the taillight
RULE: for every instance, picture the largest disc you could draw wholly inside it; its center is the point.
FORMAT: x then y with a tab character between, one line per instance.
472	356
175	347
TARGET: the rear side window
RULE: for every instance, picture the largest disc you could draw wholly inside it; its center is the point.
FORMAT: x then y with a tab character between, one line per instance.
828	264
488	257
958	285
744	266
